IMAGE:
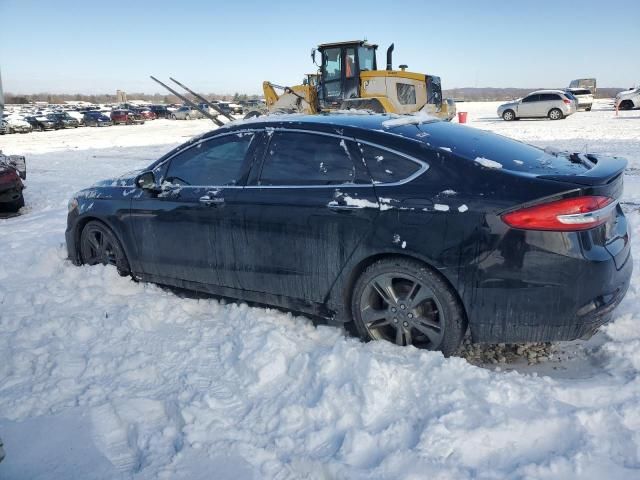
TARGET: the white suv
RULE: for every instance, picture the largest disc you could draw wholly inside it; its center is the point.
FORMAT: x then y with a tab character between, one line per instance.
584	96
554	104
628	99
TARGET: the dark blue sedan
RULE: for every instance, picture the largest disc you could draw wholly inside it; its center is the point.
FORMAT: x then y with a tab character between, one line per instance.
412	229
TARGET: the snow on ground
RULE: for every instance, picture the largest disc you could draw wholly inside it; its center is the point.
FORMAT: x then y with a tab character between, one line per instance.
101	377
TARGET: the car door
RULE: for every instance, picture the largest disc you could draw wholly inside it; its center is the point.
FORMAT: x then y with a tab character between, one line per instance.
305	210
184	231
528	106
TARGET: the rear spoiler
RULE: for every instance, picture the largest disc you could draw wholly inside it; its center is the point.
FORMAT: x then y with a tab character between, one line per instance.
602	170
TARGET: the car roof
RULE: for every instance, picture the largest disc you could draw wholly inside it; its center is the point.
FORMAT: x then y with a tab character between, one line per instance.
547	91
351	124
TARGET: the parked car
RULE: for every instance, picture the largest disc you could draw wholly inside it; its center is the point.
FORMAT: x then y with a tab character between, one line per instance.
12	172
126	117
186	113
63	120
584	96
587	83
628	99
17	125
41	123
79	117
145	113
96	119
161	111
553	104
346	217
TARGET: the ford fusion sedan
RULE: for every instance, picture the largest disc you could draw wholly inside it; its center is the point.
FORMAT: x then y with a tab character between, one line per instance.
414	231
552	104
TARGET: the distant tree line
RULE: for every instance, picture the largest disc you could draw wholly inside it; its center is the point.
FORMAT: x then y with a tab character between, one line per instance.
17	98
468	94
476	94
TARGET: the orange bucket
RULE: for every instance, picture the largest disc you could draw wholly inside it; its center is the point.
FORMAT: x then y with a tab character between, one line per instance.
462	117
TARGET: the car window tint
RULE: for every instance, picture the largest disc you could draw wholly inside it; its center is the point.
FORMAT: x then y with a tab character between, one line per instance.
216	162
385	166
307	159
531	98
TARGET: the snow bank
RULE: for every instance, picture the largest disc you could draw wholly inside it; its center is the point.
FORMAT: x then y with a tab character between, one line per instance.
102	377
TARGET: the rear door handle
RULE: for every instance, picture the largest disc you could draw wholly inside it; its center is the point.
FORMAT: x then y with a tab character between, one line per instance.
209	200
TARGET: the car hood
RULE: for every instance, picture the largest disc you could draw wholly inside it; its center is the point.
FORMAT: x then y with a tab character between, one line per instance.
17	123
509	104
124	180
627	94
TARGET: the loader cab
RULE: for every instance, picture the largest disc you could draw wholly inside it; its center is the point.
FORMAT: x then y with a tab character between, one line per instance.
340	67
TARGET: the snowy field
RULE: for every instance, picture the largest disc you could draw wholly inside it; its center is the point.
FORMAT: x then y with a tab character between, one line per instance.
104	378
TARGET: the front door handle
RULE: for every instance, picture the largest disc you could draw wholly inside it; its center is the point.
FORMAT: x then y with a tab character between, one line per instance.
210	200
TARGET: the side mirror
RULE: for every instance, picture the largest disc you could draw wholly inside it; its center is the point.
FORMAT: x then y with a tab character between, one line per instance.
146	181
313	56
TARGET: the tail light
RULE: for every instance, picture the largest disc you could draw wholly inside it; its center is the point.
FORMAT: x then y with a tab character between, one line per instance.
568	102
567	215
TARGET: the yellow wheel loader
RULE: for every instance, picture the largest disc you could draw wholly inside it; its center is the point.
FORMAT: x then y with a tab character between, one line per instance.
348	78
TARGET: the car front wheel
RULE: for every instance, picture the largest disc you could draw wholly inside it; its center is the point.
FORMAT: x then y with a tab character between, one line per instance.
509	115
404	302
555	114
98	244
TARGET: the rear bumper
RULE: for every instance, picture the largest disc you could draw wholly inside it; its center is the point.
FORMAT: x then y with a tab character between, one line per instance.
530	294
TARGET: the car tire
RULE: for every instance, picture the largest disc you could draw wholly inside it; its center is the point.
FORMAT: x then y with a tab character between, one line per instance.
99	245
173	117
16	205
41	128
508	115
555	114
405	302
187	117
588	109
625	105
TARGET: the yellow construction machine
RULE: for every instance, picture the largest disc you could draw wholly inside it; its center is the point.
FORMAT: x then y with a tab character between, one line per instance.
348	78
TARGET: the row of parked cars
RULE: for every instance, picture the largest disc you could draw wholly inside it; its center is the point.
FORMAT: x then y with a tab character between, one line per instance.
124	114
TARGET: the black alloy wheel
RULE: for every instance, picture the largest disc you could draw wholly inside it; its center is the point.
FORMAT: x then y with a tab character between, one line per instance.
404	302
98	245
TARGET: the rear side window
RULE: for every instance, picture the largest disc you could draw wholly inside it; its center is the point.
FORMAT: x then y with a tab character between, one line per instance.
385	166
217	162
296	158
406	93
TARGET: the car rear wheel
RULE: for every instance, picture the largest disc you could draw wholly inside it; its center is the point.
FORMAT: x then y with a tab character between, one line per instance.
556	114
404	302
509	115
588	109
99	245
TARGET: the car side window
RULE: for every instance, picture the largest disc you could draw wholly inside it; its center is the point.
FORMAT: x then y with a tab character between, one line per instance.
385	166
217	162
296	158
531	98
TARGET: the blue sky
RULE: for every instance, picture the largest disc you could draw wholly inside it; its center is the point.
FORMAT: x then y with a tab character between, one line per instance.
87	46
